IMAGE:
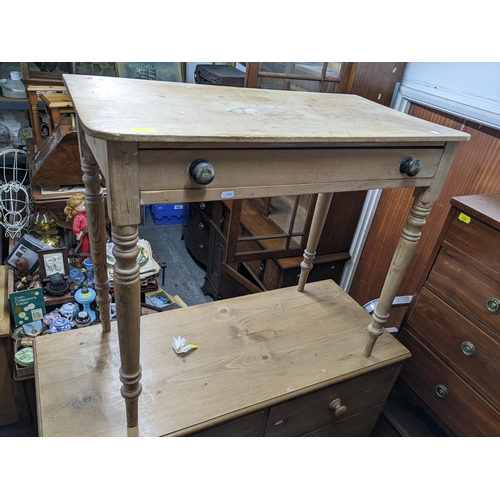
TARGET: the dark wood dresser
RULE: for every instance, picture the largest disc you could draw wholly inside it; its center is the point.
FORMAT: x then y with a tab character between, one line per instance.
452	327
248	246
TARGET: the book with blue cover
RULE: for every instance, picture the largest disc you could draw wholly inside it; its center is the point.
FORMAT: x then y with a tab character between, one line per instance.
27	306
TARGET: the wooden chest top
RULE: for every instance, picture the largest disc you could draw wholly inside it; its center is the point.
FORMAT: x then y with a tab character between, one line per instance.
253	352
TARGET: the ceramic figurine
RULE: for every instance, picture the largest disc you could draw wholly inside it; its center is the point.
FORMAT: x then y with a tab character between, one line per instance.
75	211
20	285
50	317
35	281
60	325
69	311
82	319
22	266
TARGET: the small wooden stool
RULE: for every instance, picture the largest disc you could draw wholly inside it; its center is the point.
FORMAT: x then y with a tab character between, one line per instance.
56	104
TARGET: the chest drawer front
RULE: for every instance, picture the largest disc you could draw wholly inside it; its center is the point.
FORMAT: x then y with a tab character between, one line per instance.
199	222
462	409
196	243
475	355
475	238
456	279
312	412
204	207
248	426
360	426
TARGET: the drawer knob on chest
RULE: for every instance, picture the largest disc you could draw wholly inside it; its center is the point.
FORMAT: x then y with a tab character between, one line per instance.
410	166
493	305
441	391
468	349
337	407
202	172
201	225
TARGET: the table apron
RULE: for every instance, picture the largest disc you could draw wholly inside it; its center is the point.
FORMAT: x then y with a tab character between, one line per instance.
251	173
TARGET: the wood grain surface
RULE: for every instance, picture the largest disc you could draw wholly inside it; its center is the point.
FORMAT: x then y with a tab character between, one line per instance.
138	110
253	352
445	330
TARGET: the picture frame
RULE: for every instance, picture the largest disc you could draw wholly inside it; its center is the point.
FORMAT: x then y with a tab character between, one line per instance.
161	71
95	68
53	261
27	247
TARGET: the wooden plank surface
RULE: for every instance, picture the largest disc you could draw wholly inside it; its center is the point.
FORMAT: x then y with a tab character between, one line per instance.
139	110
253	351
485	207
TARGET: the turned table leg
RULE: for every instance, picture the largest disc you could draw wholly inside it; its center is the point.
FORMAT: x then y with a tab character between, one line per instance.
124	212
318	221
94	206
126	281
401	259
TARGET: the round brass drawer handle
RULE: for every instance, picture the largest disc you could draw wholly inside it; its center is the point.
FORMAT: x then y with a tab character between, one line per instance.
337	407
441	391
468	349
493	305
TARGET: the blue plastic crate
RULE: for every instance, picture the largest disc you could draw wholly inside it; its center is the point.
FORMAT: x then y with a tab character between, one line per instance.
170	213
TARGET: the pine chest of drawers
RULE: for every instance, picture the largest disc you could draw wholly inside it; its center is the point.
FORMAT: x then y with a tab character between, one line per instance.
452	327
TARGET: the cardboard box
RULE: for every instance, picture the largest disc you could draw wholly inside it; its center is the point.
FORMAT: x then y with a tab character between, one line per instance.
171	301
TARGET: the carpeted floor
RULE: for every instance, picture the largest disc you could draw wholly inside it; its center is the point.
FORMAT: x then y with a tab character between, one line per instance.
183	276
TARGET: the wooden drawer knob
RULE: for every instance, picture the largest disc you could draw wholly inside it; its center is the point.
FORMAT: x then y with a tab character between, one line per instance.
410	166
202	172
337	407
